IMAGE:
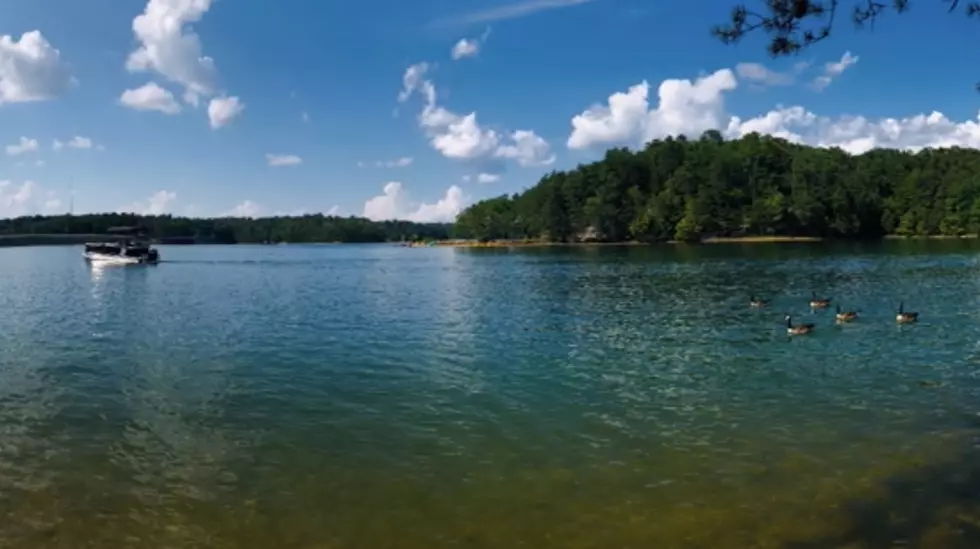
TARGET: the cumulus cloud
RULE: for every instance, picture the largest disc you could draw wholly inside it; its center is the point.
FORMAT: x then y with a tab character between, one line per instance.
51	202
25	145
169	47
223	110
469	47
691	107
395	203
457	136
334	210
77	142
487	178
161	202
465	48
31	69
528	149
150	97
461	136
280	160
245	209
401	162
685	107
760	74
834	69
17	200
414	81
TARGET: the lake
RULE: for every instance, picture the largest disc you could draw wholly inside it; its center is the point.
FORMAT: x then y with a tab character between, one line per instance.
373	396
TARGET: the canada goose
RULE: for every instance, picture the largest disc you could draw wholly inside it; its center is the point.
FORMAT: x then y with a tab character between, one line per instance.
845	316
753	302
799	329
816	303
905	317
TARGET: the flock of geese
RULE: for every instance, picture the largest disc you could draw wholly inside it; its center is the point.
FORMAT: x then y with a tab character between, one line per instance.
903	316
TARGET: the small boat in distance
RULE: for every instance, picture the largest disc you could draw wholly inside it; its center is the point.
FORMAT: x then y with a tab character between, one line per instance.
131	248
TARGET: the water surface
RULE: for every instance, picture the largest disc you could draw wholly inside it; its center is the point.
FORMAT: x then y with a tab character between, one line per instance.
376	396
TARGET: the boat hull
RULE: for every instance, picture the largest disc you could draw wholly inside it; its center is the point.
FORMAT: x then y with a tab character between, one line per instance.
111	259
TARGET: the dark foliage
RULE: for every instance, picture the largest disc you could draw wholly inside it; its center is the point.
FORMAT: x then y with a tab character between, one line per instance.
687	190
310	228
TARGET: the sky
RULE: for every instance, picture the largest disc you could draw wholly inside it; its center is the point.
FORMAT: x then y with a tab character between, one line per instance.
414	110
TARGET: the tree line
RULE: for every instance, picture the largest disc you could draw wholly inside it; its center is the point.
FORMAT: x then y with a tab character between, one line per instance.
308	228
681	189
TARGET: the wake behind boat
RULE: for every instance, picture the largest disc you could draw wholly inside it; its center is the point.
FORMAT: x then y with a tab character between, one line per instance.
132	248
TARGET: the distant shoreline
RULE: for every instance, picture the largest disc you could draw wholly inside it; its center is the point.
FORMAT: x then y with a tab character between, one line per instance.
19	240
710	240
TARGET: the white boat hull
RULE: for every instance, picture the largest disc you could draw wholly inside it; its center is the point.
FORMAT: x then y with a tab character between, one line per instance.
108	259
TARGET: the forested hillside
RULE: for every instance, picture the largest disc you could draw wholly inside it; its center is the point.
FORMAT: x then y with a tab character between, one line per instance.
758	185
310	228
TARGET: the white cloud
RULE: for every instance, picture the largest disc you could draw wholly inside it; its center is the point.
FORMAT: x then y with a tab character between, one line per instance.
461	136
509	11
334	210
245	209
79	142
305	117
834	69
161	202
528	149
457	136
690	108
51	202
150	97
759	73
402	162
395	203
414	81
469	47
31	69
487	178
685	107
280	160
25	145
39	163
17	200
169	47
465	48
223	110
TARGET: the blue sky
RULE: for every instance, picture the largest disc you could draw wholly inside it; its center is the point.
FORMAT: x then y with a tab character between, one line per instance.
363	108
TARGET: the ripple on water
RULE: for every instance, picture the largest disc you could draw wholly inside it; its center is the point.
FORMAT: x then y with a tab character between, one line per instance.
369	396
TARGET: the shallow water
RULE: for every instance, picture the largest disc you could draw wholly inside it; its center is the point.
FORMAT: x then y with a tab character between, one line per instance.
376	396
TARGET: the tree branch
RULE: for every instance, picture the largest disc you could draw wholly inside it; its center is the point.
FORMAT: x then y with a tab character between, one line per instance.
796	24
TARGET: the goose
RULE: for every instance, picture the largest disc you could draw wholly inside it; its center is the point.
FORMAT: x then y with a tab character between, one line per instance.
817	303
904	317
845	316
799	329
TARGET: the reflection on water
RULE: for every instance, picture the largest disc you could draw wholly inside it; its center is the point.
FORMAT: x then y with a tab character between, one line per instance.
369	396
